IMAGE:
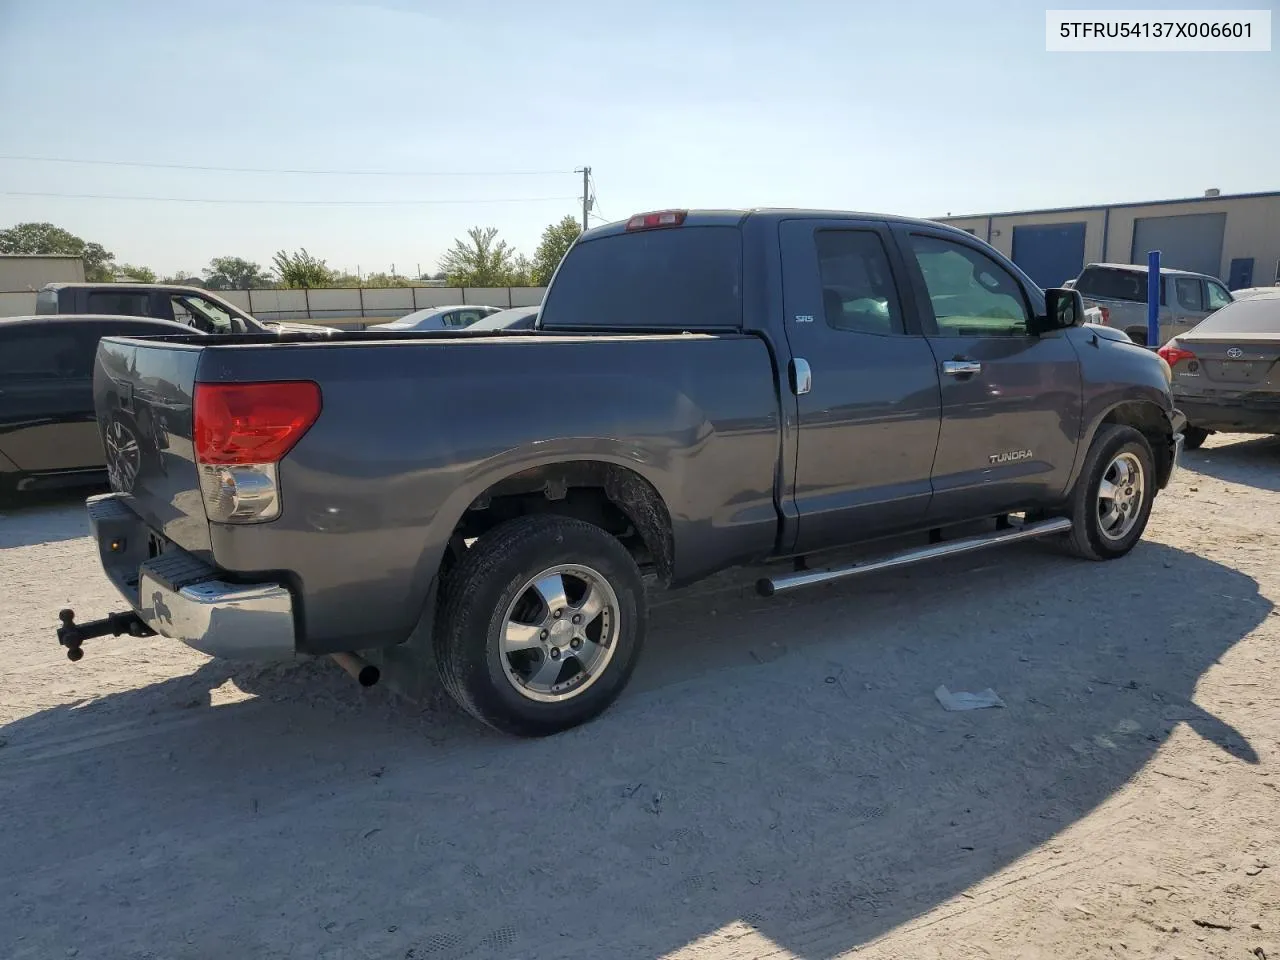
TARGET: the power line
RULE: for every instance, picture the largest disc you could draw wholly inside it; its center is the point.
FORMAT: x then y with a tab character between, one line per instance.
333	203
328	173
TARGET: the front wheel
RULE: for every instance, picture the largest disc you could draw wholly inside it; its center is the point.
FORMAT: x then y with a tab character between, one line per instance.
1112	499
540	625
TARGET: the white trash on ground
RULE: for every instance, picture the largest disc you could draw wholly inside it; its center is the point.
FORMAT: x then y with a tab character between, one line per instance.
967	701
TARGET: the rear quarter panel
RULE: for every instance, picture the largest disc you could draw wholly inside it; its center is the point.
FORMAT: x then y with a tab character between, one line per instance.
411	433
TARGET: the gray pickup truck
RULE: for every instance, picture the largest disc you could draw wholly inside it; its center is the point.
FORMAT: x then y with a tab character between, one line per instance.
198	308
1119	292
703	390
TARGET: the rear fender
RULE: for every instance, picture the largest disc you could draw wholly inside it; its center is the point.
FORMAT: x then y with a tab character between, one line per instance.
511	463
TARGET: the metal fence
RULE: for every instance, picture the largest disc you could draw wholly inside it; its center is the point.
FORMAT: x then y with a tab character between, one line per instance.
336	303
342	303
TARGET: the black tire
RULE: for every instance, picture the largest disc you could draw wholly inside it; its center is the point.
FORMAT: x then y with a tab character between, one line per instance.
1193	438
1087	538
1138	336
492	576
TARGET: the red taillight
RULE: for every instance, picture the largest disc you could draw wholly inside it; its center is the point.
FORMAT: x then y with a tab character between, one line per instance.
244	423
1172	352
663	218
1106	316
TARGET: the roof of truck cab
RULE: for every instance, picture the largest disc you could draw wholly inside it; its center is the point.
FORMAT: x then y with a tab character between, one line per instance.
53	319
733	218
1142	268
125	285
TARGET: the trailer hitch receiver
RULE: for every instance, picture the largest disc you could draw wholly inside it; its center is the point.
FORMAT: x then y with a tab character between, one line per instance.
71	634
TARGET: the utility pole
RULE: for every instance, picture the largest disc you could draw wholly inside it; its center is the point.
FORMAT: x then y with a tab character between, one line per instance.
586	195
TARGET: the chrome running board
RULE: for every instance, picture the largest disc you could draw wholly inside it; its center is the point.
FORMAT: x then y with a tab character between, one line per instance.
768	586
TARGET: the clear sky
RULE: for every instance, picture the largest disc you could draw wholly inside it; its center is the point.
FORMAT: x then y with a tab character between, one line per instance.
908	107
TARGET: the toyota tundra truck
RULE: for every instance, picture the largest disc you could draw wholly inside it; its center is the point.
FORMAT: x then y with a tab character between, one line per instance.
703	390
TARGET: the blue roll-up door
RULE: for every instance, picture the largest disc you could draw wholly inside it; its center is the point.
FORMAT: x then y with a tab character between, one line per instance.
1049	253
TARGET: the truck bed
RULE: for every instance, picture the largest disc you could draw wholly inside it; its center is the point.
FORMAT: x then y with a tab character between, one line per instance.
414	427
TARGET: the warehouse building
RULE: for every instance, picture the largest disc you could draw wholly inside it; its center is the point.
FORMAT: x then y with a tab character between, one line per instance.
1235	238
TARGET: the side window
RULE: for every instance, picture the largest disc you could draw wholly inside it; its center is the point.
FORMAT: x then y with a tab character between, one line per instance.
123	304
465	318
44	354
1189	292
972	295
858	293
181	313
206	314
1217	295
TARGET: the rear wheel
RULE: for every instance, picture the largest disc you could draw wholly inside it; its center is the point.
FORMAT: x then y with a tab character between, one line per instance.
1194	437
540	625
1112	499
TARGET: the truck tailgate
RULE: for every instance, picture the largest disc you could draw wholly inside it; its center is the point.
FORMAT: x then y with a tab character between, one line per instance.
142	394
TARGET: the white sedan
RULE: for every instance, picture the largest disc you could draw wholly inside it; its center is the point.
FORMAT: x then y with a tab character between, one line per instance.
438	318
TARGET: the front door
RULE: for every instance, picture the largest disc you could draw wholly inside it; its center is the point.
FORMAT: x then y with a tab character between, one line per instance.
868	398
1011	401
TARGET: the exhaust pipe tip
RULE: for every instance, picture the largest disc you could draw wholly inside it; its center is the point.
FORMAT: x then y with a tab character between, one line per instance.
364	672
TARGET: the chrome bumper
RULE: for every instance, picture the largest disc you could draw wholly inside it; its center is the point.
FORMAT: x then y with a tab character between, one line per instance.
183	598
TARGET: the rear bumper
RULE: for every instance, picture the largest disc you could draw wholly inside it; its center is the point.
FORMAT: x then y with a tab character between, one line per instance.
1232	416
183	598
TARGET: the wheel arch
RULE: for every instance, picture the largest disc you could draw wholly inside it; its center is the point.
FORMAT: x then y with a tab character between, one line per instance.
1148	418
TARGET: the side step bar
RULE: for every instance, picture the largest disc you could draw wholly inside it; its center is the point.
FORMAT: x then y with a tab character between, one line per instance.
768	586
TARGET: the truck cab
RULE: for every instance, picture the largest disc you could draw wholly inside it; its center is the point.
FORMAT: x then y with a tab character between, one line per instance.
198	308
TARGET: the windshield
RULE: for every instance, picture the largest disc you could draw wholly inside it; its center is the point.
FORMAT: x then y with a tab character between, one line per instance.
681	276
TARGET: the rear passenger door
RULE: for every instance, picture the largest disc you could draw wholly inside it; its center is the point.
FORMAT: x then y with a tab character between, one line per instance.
866	384
1188	305
1011	401
46	397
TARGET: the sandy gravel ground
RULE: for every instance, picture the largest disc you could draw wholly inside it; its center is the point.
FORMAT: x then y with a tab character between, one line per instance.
778	781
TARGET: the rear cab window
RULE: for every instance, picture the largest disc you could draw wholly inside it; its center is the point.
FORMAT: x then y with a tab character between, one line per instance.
686	277
119	304
1111	283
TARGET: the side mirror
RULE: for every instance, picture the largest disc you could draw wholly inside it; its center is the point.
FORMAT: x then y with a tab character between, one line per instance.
1063	308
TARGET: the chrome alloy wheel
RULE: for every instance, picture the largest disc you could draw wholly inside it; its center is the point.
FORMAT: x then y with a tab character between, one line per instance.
1120	496
124	459
559	633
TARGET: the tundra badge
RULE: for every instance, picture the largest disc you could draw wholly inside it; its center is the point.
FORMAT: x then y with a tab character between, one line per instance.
1010	456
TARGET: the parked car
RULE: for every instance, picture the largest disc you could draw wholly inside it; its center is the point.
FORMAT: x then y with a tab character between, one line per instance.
1120	291
48	434
1226	372
439	318
201	309
487	505
517	318
1248	292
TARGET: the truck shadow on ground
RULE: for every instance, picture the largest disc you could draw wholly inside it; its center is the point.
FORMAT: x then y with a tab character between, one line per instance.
778	765
32	518
1253	462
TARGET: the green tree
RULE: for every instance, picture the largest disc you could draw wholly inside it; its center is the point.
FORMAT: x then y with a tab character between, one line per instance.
137	274
37	238
234	273
301	269
556	241
481	260
386	280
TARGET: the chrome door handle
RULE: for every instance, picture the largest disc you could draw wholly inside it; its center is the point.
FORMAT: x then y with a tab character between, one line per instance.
801	377
960	368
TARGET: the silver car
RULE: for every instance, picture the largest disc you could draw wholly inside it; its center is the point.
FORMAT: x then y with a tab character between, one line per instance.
1119	290
455	317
